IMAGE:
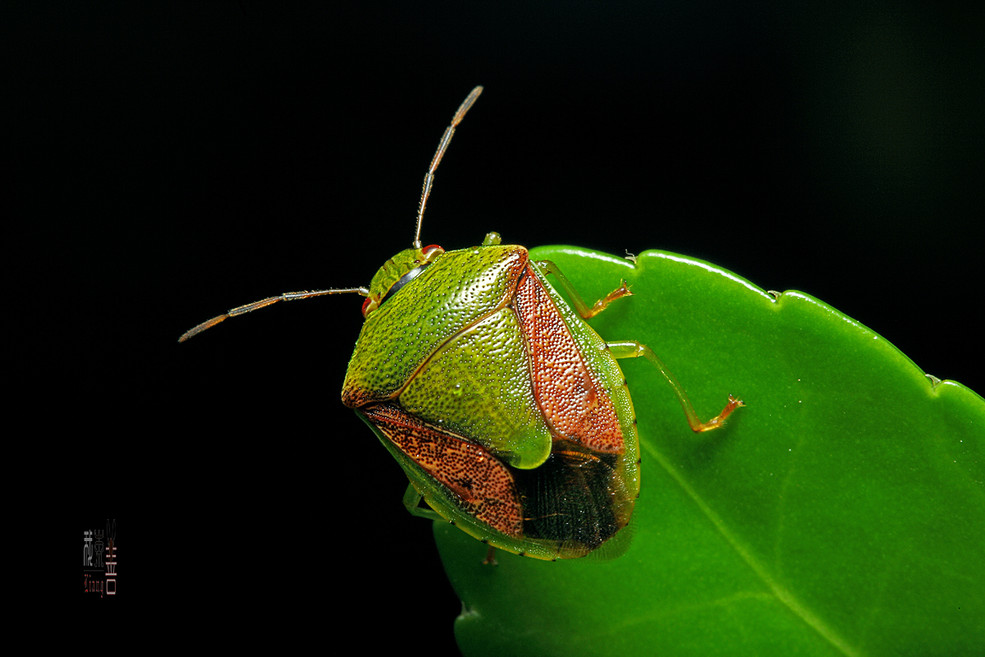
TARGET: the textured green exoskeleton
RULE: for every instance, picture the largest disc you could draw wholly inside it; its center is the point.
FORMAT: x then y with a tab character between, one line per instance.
506	410
444	372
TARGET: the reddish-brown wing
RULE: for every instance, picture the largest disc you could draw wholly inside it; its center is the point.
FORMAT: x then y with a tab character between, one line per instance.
574	404
482	485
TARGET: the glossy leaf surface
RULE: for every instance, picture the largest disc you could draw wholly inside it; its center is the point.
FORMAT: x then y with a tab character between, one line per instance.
842	512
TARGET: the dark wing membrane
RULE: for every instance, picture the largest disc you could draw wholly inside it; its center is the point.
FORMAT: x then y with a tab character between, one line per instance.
568	500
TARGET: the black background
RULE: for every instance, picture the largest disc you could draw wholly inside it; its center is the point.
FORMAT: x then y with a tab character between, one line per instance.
165	162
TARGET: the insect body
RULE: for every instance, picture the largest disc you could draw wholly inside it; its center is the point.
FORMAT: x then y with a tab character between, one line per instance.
508	413
509	423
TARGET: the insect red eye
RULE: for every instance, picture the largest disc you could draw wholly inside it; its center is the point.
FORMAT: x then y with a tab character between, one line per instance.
431	248
368	305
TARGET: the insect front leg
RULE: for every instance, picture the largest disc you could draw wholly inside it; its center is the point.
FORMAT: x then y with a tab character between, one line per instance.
633	349
548	267
412	500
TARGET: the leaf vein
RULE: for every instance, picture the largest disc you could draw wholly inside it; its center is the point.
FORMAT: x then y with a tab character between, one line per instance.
781	593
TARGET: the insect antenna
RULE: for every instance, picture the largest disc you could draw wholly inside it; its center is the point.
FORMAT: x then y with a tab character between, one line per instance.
308	294
436	160
263	303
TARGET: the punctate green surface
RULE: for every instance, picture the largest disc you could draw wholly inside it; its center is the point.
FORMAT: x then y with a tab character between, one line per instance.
842	512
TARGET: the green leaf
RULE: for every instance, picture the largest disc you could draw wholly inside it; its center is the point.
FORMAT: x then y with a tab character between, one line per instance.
842	512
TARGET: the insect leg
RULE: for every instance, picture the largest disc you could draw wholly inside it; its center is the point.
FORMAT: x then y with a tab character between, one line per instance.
548	267
490	559
412	500
263	303
633	349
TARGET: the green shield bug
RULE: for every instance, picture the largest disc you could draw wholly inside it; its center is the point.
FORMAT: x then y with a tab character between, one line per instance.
506	410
